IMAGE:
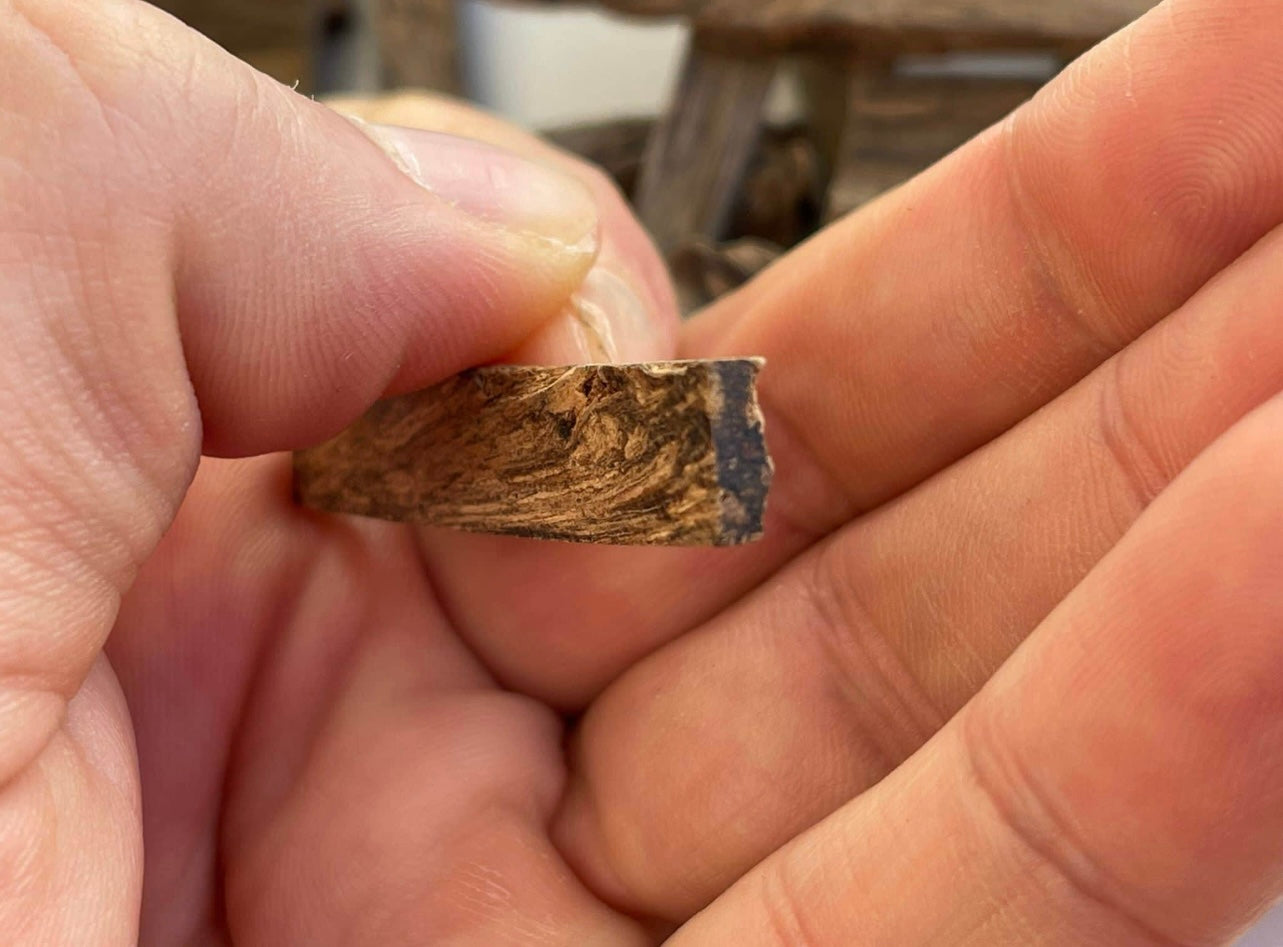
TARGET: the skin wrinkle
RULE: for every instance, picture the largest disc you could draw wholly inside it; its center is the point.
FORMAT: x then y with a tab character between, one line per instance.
120	125
511	278
272	652
49	43
785	911
441	603
1143	474
43	713
1032	823
121	143
129	442
120	500
73	382
1076	299
601	879
933	640
287	604
963	659
23	849
62	548
202	861
861	656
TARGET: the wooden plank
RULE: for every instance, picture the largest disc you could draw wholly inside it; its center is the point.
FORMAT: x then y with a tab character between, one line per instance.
824	81
659	454
782	23
697	155
780	199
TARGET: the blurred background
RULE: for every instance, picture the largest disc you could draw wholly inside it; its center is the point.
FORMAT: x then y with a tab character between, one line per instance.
736	127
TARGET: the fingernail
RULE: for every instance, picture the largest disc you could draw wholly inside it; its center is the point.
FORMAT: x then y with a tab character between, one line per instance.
494	185
613	311
606	321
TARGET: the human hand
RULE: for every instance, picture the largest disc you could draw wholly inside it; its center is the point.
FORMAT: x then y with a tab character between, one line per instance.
193	258
977	389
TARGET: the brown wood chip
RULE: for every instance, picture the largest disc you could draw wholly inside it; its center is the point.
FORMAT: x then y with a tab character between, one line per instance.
669	453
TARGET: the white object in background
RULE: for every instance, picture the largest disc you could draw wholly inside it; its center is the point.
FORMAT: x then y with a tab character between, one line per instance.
544	66
1269	933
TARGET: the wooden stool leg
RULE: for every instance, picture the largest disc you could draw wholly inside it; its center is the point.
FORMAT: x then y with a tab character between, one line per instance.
697	155
824	81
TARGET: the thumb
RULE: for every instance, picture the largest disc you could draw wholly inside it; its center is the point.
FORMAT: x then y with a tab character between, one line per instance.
308	266
192	257
320	271
341	272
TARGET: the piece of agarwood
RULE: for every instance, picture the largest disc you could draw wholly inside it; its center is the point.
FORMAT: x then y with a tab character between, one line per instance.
668	453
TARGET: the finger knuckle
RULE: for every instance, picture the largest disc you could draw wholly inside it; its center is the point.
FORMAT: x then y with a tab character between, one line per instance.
1023	810
784	908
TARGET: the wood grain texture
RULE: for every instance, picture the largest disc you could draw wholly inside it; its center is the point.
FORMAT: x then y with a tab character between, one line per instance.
780	199
667	453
